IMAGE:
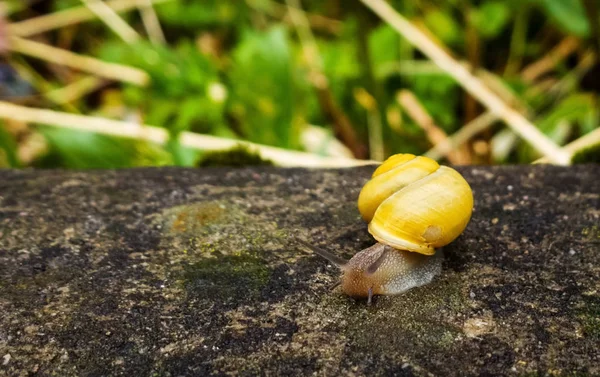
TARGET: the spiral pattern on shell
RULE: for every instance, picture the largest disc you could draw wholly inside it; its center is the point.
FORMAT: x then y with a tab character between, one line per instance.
412	203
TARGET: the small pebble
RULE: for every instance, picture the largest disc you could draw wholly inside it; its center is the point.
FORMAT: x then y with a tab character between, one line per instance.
571	252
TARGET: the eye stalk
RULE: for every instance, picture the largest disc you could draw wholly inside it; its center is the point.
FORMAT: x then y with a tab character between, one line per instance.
338	261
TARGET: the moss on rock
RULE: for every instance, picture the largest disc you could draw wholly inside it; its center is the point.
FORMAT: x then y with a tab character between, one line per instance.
236	157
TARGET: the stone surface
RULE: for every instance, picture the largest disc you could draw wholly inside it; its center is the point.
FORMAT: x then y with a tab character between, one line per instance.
173	272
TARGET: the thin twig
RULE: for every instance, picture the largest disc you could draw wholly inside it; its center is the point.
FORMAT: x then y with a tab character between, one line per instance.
498	85
473	55
588	140
38	81
517	42
151	23
307	39
158	135
464	134
408	68
112	20
487	119
413	107
569	80
68	17
469	82
536	69
374	124
84	63
341	123
280	11
75	90
373	91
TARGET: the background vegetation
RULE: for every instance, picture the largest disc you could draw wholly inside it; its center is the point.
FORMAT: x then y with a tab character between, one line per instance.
328	77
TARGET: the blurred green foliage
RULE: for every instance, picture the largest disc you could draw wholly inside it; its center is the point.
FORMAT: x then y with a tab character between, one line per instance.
569	15
238	69
8	149
85	150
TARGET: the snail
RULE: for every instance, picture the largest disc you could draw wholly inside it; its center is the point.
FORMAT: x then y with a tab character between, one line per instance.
413	206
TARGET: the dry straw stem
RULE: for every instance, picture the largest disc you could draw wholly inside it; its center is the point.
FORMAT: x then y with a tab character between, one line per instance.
281	11
570	80
469	82
409	68
411	104
307	39
151	22
112	20
83	63
68	17
505	92
342	126
495	83
75	90
477	125
158	135
588	140
374	124
565	48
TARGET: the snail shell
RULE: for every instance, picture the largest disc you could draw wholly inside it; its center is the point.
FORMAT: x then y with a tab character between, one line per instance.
412	203
413	206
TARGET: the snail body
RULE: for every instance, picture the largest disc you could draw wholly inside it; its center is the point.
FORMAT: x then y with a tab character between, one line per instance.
413	206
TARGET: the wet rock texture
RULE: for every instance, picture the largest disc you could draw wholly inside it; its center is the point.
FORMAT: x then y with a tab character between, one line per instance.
177	272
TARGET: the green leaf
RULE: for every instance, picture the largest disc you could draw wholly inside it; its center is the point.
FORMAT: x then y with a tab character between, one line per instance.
384	45
569	15
339	55
196	14
263	88
175	72
491	18
182	95
440	95
443	26
575	108
339	59
182	156
161	112
86	150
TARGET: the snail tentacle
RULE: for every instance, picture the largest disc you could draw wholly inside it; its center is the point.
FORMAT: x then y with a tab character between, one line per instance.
338	261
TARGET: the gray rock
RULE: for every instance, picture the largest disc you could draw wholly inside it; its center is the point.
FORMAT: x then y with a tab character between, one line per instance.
173	272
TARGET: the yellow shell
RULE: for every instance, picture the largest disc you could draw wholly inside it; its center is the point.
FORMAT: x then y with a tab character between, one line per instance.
412	203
